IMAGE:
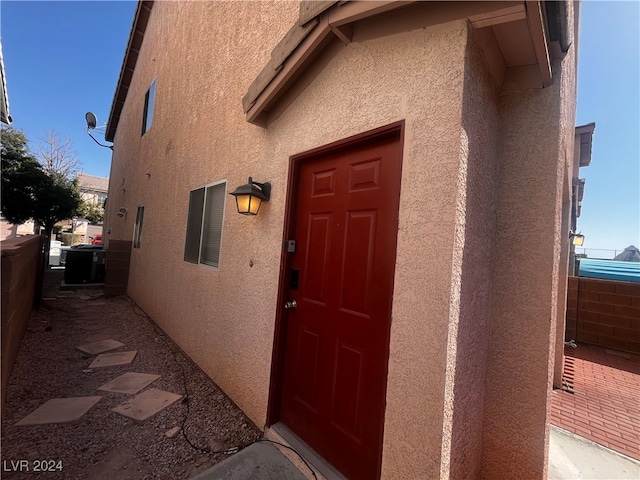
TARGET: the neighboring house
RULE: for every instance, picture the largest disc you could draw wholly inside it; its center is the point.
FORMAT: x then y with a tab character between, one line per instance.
11	230
581	158
93	189
421	162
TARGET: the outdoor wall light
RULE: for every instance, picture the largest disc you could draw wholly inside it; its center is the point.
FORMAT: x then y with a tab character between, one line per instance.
250	196
122	212
577	239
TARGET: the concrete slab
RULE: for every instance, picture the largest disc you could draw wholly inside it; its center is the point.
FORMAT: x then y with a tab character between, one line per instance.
130	383
100	347
572	457
147	404
113	359
259	461
60	410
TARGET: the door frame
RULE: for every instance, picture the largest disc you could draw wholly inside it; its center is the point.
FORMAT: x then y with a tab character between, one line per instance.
293	184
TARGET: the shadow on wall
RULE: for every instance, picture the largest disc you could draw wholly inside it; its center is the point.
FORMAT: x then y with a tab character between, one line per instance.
473	254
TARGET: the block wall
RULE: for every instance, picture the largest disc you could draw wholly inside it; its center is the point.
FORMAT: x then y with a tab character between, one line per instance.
607	313
572	309
19	279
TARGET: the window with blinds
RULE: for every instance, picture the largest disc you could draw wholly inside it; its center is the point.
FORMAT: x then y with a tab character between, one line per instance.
137	229
204	225
147	111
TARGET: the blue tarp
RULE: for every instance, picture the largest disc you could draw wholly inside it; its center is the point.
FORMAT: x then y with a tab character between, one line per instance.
610	269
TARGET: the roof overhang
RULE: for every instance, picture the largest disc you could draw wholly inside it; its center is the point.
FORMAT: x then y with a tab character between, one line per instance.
518	39
4	99
140	20
584	141
514	34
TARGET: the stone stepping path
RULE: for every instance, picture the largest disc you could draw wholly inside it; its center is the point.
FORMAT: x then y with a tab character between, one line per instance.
144	406
60	410
113	359
140	408
100	347
129	383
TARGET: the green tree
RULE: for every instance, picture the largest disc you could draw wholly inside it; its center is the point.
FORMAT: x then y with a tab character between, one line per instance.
30	192
19	169
93	213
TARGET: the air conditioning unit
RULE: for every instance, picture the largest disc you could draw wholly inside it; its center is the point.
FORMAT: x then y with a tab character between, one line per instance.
84	266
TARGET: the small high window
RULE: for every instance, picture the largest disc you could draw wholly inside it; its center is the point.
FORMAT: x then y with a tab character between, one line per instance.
149	101
204	224
137	229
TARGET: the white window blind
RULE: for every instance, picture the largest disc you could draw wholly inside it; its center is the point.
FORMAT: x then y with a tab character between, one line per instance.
204	225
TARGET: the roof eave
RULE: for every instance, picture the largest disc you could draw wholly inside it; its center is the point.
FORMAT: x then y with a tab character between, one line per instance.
136	37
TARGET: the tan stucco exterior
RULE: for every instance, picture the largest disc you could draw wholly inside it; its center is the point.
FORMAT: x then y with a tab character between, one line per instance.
478	264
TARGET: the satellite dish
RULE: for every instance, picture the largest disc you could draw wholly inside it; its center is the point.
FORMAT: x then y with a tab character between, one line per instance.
92	120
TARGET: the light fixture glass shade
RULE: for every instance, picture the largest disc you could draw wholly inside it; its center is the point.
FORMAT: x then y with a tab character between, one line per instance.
249	197
248	204
577	239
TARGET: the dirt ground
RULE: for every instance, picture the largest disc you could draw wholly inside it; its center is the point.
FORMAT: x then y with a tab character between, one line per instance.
104	444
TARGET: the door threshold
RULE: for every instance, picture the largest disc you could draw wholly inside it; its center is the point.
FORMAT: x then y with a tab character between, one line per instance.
281	433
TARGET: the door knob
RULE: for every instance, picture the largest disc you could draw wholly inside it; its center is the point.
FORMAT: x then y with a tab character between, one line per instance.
291	304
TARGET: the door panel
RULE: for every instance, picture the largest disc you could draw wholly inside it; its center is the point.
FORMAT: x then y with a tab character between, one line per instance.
337	339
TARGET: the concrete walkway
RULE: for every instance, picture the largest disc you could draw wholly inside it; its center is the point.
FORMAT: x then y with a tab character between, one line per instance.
260	461
572	457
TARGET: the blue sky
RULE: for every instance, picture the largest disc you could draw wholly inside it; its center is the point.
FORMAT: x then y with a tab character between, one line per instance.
608	84
63	59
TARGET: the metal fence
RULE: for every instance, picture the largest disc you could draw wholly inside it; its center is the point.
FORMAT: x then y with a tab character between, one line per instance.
598	253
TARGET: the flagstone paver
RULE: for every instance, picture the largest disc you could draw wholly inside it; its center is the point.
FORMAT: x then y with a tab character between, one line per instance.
100	347
60	410
113	359
130	383
144	406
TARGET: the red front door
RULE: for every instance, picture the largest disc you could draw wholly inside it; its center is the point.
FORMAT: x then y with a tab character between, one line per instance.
337	337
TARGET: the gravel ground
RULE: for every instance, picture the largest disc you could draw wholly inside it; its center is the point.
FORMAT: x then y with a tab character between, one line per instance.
104	444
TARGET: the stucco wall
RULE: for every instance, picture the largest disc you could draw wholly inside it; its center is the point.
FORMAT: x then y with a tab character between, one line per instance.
199	135
567	170
224	319
479	172
472	265
417	77
535	145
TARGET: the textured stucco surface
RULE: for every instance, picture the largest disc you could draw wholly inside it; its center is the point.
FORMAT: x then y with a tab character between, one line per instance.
536	127
472	265
565	176
203	56
477	169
